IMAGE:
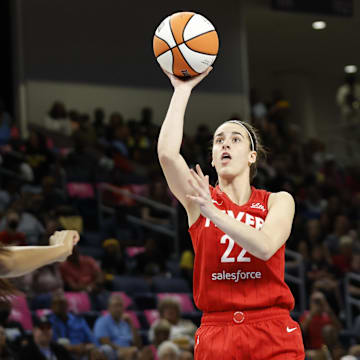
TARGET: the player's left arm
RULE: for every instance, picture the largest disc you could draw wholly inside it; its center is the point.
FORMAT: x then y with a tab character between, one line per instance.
278	222
263	243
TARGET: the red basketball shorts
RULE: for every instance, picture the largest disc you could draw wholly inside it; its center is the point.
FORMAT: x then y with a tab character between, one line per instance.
269	334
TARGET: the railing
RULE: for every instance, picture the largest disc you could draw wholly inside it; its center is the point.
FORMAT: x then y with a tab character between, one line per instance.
173	233
350	301
299	278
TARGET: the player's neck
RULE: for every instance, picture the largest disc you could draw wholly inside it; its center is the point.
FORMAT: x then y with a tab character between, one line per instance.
238	190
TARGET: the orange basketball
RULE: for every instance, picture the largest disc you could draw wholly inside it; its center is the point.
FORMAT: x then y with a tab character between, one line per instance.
185	44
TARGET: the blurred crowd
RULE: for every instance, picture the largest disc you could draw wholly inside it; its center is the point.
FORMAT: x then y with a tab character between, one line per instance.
51	181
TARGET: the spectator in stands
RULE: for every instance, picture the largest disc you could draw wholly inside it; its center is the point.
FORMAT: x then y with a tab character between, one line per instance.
42	347
332	342
57	119
347	98
115	120
349	357
168	351
70	218
258	108
81	164
5	198
5	351
72	331
146	117
342	260
113	261
202	141
99	295
354	287
341	227
52	224
312	322
161	334
182	331
85	131
28	224
314	203
355	351
51	198
279	111
38	156
46	279
14	332
158	191
282	178
187	265
99	122
119	141
186	355
117	330
313	232
10	235
151	262
80	272
138	141
5	124
319	270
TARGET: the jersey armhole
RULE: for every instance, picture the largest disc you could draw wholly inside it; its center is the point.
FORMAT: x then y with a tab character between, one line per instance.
267	196
196	224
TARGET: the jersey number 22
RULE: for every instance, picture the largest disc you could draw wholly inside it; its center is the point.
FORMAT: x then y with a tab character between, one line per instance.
225	257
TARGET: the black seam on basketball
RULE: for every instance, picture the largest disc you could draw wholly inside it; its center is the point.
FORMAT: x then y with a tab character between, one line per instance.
165	43
187	62
185	27
195	38
172	61
206	32
172	33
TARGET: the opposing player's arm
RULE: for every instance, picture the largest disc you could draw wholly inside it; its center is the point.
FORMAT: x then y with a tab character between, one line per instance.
276	229
19	260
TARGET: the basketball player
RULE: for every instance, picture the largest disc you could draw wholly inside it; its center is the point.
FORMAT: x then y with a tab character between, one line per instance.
19	260
238	234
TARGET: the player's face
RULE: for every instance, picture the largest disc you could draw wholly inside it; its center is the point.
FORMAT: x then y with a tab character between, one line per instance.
231	152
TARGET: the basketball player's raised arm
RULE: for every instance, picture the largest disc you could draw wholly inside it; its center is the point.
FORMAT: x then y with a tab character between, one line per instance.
19	260
175	169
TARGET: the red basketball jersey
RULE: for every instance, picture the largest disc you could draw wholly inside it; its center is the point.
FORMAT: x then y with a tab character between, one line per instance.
227	277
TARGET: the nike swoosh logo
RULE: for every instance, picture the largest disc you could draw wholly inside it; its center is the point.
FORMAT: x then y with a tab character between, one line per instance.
290	330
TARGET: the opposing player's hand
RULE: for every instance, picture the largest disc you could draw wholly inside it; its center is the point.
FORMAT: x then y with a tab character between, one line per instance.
187	83
201	193
67	239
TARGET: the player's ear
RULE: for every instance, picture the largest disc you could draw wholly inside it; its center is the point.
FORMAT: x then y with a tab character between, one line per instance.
252	157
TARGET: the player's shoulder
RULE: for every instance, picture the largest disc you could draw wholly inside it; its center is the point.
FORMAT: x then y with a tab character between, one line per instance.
281	197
